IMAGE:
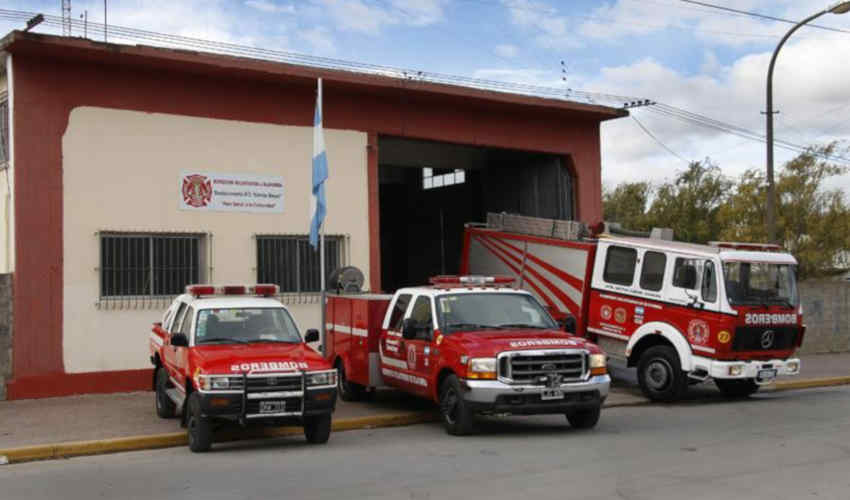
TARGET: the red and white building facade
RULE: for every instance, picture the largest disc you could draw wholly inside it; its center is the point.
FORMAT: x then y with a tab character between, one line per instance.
131	171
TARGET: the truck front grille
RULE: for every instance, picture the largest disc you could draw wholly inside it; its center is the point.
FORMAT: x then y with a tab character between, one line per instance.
274	382
539	367
764	338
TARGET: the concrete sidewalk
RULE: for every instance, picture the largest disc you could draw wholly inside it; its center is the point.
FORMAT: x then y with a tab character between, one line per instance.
91	418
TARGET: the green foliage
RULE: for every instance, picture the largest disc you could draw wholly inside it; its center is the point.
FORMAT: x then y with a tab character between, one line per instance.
702	205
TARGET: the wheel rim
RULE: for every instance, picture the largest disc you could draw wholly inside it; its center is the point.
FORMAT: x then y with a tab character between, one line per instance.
449	406
341	381
658	374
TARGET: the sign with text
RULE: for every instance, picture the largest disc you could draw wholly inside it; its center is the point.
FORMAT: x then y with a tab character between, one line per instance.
231	192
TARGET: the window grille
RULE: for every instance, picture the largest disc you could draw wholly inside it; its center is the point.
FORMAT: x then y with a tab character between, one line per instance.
149	265
441	177
292	264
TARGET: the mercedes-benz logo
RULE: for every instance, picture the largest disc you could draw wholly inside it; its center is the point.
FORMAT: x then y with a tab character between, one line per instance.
767	339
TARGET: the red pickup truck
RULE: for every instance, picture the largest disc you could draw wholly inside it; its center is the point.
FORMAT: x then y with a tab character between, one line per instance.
472	344
234	353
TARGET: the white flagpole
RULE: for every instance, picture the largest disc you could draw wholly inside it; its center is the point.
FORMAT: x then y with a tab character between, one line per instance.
322	278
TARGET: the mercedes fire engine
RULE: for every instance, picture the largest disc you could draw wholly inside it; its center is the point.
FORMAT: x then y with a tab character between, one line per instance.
234	353
681	313
473	344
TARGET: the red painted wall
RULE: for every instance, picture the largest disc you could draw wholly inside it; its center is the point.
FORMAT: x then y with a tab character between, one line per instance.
48	84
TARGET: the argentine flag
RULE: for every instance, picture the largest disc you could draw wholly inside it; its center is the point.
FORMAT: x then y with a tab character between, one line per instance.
320	172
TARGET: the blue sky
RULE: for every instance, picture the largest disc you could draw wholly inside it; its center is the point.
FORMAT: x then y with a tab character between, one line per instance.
693	57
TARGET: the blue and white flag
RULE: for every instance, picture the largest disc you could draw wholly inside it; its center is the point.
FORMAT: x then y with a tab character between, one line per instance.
320	172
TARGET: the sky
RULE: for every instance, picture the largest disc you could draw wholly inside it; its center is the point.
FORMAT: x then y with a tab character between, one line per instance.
693	57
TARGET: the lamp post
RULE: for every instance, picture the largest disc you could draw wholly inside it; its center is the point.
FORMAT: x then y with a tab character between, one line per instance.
839	8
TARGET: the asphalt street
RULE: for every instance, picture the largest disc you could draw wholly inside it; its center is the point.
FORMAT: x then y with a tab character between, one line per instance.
793	444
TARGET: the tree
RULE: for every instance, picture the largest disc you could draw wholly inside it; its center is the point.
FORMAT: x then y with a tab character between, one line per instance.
690	205
627	204
813	223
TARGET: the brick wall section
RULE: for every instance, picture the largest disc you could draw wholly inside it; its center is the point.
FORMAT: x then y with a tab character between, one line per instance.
826	313
5	332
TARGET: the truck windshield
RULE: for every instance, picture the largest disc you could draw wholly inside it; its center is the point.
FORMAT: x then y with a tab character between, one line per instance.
474	311
245	325
760	283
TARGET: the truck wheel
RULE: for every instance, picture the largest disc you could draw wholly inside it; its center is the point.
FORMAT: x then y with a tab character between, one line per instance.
737	388
584	419
348	391
317	429
199	428
165	407
457	418
660	374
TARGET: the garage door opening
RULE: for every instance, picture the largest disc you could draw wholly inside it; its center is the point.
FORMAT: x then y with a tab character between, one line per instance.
429	190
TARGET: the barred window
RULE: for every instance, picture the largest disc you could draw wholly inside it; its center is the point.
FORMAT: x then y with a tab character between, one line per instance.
149	264
291	263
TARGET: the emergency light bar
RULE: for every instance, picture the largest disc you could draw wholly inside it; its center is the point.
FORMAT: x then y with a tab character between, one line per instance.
445	281
757	247
264	290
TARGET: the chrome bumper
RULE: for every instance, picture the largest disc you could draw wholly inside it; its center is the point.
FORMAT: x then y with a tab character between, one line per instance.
748	369
487	391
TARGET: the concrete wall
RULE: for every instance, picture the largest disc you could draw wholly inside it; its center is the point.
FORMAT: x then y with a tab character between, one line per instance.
826	312
5	332
139	158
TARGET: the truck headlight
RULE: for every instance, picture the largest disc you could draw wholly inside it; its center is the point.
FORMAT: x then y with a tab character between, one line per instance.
481	368
598	364
321	378
218	382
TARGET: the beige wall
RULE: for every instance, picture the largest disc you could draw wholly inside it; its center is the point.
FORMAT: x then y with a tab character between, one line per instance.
120	173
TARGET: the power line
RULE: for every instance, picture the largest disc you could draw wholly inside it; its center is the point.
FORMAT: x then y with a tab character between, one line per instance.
650	134
762	16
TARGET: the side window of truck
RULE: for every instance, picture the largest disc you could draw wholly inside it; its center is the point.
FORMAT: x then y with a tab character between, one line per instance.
421	312
620	265
178	317
685	273
399	309
652	271
709	282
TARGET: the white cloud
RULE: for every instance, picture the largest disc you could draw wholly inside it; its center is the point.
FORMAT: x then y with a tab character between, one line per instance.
506	50
361	17
548	29
272	8
320	40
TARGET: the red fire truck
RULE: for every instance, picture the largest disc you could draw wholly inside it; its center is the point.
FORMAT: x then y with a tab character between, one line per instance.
681	313
234	353
472	344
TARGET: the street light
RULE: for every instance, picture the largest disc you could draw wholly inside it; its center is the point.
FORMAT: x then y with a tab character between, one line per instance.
839	8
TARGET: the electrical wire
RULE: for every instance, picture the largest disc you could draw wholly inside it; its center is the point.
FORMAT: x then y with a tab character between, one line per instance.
762	16
656	139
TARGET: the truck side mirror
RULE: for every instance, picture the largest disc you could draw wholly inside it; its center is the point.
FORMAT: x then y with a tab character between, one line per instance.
179	340
409	327
568	324
312	335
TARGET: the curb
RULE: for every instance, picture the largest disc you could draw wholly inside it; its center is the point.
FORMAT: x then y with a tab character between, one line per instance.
173	439
809	383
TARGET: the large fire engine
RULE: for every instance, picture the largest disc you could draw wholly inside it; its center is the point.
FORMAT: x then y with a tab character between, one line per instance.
681	313
234	353
473	344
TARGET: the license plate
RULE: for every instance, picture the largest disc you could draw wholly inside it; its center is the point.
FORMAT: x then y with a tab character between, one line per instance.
272	406
767	374
551	394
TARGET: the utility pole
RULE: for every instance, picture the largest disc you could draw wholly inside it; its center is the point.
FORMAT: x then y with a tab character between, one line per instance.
66	17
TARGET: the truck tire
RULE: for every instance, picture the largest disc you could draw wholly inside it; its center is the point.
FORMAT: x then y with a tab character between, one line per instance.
456	415
348	390
317	429
584	419
165	407
198	427
737	388
660	374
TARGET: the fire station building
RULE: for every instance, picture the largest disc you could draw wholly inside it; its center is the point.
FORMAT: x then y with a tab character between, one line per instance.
128	172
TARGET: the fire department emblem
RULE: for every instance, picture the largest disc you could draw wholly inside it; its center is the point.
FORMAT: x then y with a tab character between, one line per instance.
197	190
605	312
698	331
411	357
620	315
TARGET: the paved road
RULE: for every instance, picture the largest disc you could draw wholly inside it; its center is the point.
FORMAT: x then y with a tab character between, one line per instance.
778	445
